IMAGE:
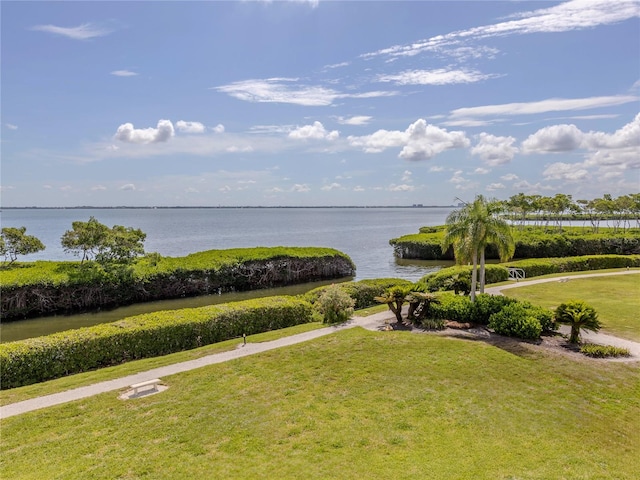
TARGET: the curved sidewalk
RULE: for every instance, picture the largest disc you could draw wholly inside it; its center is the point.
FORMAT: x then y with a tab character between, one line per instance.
6	411
372	322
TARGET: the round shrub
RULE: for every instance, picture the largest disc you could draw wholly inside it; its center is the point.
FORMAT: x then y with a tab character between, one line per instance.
335	305
486	305
452	307
516	320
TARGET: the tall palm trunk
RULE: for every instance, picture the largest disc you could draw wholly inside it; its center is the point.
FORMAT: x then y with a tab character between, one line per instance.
482	269
474	276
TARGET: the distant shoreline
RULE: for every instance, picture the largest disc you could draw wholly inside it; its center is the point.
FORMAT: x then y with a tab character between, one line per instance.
122	207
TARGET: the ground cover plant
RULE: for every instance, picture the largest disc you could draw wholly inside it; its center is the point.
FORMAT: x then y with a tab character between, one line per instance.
615	298
356	404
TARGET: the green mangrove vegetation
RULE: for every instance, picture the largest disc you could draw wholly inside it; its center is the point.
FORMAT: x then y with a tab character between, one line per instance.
44	287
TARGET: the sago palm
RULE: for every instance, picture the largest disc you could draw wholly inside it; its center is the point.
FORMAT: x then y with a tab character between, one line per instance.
580	316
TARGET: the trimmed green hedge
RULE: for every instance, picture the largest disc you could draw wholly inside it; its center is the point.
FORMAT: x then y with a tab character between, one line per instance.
149	335
531	242
363	292
460	275
535	267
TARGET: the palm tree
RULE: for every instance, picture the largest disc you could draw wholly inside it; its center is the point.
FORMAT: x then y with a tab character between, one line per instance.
471	229
580	316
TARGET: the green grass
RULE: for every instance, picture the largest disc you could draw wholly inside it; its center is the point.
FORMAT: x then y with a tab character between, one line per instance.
109	373
356	404
615	298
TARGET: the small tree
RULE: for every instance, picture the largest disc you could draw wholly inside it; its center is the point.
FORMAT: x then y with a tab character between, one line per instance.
108	246
14	242
335	304
580	316
121	245
85	238
420	305
394	298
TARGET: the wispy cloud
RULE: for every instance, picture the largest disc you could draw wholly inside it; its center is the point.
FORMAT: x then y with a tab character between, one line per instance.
85	31
355	120
470	114
124	73
440	76
11	126
288	90
567	16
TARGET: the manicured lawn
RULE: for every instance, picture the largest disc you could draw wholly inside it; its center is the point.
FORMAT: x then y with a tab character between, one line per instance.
355	404
615	298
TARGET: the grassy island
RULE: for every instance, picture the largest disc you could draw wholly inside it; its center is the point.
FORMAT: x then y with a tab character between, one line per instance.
45	288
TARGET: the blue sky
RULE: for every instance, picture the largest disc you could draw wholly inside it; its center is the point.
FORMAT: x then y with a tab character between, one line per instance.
317	102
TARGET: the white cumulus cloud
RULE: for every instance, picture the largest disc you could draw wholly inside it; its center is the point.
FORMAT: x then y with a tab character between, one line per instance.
128	134
555	138
420	141
494	150
218	128
314	132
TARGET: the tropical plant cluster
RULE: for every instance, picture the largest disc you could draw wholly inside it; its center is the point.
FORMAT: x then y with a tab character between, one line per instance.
153	334
506	316
44	288
363	292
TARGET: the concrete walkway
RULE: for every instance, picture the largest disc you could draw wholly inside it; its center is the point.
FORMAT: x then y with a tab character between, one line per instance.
372	322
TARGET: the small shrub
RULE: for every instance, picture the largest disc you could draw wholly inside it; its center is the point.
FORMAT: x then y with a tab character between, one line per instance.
335	305
603	351
516	320
486	305
433	323
452	307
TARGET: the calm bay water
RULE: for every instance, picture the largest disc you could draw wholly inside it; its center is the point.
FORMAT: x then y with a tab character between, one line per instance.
361	233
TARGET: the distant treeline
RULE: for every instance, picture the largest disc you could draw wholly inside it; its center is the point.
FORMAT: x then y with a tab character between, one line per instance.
622	212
